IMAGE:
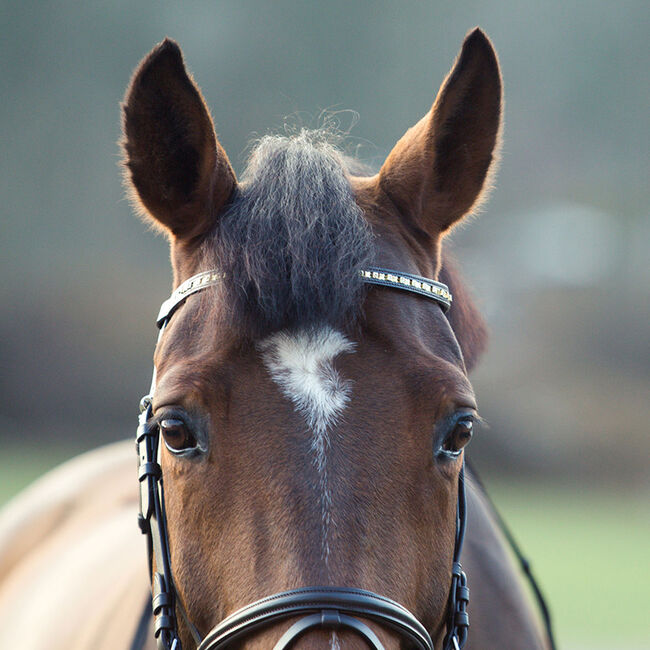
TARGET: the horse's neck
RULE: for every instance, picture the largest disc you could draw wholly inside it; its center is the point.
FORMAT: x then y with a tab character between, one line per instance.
72	540
500	612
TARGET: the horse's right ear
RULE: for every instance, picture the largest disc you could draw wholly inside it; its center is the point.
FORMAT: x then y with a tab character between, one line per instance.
179	173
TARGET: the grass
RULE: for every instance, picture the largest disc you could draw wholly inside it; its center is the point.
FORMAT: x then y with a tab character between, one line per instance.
588	546
589	549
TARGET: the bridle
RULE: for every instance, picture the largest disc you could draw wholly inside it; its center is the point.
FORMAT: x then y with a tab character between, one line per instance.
318	607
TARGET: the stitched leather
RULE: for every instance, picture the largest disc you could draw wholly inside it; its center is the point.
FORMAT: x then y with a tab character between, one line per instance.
345	601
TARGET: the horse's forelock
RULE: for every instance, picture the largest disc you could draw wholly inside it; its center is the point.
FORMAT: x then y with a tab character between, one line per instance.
293	241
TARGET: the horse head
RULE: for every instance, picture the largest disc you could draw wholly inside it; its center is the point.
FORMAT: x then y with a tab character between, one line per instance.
312	426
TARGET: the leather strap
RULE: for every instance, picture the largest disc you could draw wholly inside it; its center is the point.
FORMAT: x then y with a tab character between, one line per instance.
458	617
336	607
196	283
409	282
153	523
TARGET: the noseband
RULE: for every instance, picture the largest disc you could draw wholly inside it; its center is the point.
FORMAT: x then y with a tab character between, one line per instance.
335	608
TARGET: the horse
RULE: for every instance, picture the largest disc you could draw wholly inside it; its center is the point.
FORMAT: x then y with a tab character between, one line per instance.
309	410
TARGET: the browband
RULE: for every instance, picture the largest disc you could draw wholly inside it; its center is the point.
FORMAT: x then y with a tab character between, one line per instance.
373	275
185	289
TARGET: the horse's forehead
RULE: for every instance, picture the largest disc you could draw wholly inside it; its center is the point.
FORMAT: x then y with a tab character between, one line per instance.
302	364
316	368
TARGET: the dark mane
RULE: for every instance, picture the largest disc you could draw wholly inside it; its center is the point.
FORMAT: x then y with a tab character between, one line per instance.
293	239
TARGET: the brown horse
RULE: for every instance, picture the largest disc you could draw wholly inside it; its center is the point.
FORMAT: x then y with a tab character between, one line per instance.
313	426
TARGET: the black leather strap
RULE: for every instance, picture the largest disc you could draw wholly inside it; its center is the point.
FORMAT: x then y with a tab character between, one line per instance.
458	617
152	521
330	602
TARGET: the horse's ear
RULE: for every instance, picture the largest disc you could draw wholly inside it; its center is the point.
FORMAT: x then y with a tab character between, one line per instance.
438	170
179	172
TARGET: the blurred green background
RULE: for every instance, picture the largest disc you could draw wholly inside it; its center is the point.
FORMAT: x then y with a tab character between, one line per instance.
558	258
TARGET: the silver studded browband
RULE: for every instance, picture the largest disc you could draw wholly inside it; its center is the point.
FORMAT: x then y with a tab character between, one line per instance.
383	277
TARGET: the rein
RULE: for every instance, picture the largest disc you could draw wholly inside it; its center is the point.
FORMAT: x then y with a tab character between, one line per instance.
322	607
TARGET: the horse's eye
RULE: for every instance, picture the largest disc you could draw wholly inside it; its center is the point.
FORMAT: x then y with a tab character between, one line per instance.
459	436
176	434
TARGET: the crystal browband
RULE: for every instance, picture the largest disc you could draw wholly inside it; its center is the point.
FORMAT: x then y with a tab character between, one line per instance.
185	289
373	275
414	283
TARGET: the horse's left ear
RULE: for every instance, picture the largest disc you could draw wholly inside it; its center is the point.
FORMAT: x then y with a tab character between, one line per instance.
176	166
438	170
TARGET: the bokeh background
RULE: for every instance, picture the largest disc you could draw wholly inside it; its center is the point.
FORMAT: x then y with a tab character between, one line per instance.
558	258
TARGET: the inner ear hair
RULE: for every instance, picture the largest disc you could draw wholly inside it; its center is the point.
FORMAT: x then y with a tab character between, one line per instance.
178	172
